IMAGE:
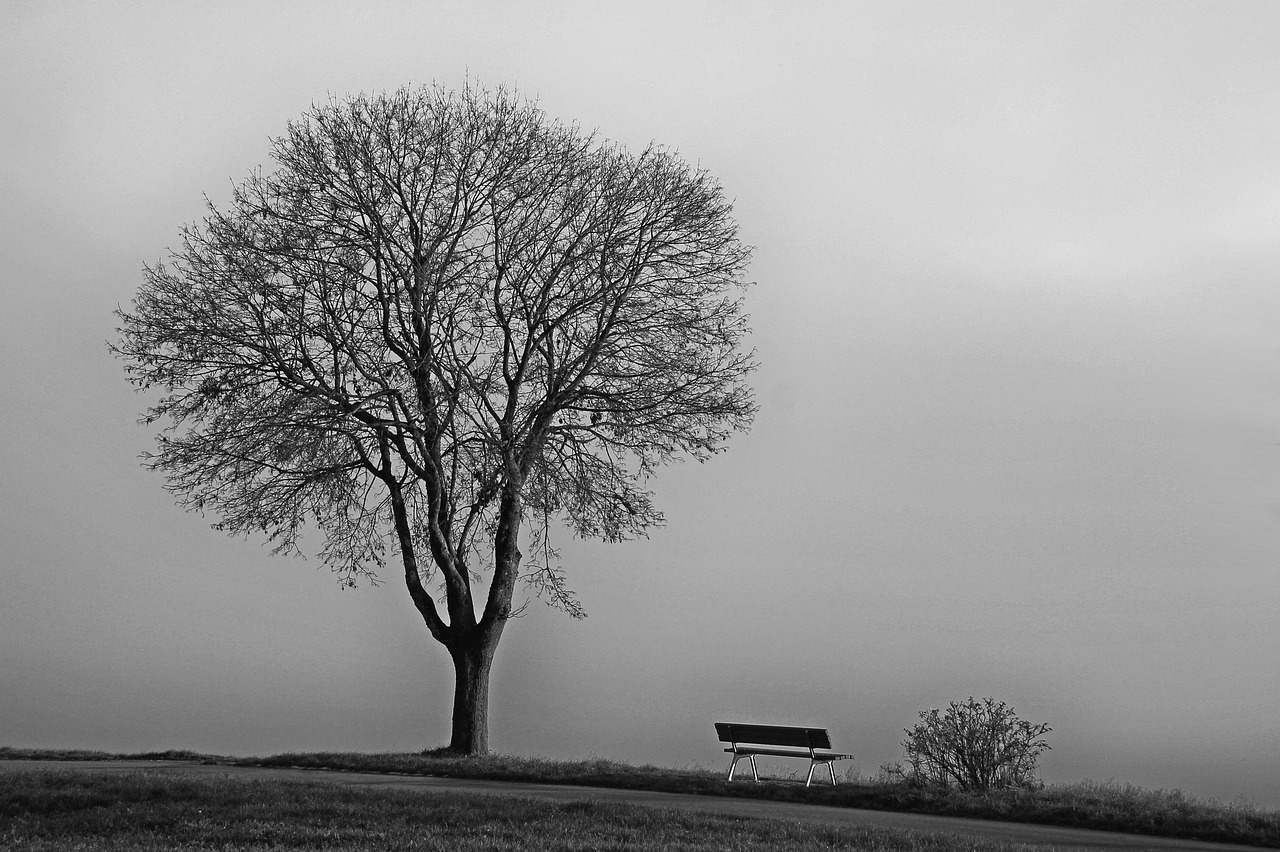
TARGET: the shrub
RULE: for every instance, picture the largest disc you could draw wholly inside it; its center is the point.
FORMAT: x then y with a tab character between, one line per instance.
977	745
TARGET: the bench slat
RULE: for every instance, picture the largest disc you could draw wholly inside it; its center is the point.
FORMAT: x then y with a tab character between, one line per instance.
778	752
781	735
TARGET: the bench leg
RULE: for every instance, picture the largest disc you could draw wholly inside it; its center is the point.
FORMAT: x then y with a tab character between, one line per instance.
755	776
831	768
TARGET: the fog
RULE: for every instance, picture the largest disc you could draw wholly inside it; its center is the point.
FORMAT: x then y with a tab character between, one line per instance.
1016	311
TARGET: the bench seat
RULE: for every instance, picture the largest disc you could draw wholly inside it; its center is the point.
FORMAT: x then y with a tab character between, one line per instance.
788	752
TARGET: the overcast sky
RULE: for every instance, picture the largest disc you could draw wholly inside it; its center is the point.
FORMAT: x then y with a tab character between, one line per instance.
1018	315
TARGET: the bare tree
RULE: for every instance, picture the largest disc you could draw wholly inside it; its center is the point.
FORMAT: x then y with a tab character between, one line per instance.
443	318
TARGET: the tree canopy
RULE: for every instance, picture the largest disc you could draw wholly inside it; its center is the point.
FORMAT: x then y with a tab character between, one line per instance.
439	319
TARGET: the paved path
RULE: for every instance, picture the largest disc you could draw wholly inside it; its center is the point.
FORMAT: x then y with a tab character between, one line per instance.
1049	837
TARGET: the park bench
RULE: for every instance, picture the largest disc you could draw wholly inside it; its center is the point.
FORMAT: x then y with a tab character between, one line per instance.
779	741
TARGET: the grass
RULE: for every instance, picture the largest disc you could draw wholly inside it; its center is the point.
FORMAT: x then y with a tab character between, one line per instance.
1107	806
69	809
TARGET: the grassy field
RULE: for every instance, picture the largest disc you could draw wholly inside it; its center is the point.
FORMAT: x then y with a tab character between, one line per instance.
1108	806
69	809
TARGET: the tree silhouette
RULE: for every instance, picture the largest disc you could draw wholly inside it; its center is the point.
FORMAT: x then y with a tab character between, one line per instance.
439	320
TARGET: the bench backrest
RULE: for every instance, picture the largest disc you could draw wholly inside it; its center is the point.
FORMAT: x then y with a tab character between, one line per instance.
781	735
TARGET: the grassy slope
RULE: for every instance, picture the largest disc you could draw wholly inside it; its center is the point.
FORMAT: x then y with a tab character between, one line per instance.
1112	807
69	809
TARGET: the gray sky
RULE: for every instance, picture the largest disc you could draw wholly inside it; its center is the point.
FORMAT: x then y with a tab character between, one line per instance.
1018	319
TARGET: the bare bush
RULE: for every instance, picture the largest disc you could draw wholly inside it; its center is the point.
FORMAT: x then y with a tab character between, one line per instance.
977	745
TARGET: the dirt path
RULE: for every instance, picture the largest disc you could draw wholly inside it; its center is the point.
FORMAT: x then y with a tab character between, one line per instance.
1050	837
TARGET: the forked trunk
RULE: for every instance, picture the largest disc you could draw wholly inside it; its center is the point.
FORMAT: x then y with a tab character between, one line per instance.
471	643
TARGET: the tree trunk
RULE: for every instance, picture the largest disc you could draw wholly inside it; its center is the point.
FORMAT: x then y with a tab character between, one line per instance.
472	664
